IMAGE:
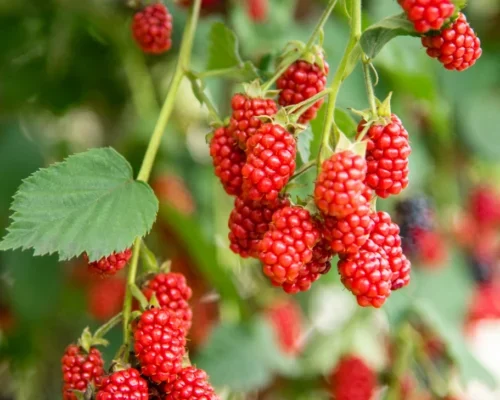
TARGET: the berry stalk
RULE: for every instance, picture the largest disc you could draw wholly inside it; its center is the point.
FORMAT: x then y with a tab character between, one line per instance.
369	86
153	146
340	75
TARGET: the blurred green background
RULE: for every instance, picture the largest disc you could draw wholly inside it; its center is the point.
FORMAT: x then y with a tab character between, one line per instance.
71	78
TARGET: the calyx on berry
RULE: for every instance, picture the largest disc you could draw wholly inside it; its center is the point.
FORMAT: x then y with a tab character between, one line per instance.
383	116
297	50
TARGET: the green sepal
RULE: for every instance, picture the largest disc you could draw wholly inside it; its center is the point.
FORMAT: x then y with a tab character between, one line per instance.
166	267
311	207
87	340
149	262
343	143
139	296
296	50
359	148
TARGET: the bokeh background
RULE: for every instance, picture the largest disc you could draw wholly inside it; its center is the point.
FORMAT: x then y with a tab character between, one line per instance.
71	78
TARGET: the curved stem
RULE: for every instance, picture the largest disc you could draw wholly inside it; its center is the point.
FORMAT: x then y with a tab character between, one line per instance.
104	329
304	105
339	77
152	150
369	88
304	168
317	29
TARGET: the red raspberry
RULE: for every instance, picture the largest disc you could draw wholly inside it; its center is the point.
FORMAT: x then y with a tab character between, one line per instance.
109	265
301	81
105	297
348	234
456	47
386	235
244	122
270	162
286	319
124	385
159	344
484	205
339	186
427	14
311	272
228	160
367	275
190	384
80	369
353	380
152	29
387	157
258	10
248	223
173	293
288	244
430	246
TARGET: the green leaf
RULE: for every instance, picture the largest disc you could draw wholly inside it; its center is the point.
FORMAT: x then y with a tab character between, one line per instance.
376	36
87	203
345	122
304	145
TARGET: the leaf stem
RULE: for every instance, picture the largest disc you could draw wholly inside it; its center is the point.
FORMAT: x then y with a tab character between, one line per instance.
369	87
218	72
339	77
304	105
152	150
317	29
304	168
105	328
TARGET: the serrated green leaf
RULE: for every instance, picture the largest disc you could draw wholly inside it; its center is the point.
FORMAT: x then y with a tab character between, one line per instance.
87	203
304	145
378	35
222	48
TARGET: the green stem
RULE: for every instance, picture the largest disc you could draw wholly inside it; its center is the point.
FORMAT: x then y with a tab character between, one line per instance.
152	150
319	26
104	329
217	72
198	89
304	105
168	105
369	87
339	77
304	168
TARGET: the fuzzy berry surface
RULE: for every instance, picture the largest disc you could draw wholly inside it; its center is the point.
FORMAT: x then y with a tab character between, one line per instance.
348	234
312	271
244	120
352	379
105	297
367	275
387	157
159	344
109	265
288	245
386	235
271	153
286	320
228	160
248	222
152	29
79	369
173	293
456	47
123	385
339	187
301	81
191	383
427	15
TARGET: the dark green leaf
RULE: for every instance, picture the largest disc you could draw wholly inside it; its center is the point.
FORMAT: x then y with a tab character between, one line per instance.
87	203
376	36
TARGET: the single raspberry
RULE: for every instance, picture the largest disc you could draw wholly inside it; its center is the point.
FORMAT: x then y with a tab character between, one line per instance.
123	385
152	29
427	14
109	265
288	244
270	162
228	160
301	81
244	119
190	384
286	320
352	379
172	189
386	235
367	275
387	154
173	293
80	369
105	297
339	186
311	272
430	246
348	234
456	47
248	223
159	344
484	205
485	303
258	10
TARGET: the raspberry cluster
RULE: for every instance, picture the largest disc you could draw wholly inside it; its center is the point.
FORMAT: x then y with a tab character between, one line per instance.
123	385
152	29
109	265
352	379
427	14
286	320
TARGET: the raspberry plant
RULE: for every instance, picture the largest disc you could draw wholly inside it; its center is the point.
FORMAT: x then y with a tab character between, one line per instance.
92	205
